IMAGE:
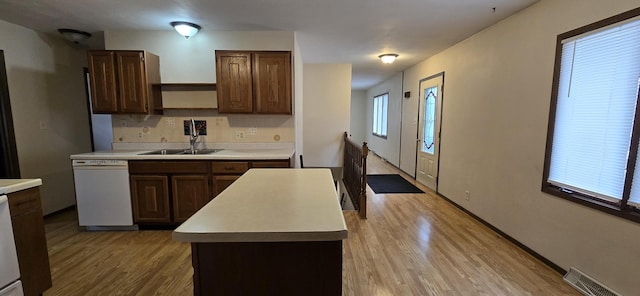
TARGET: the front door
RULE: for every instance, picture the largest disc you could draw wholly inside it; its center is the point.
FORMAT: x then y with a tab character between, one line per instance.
429	130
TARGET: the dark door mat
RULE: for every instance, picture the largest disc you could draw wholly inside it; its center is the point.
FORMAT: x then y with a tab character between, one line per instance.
393	183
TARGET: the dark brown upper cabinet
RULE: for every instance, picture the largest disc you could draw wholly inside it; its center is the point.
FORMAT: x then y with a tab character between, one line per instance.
125	82
254	82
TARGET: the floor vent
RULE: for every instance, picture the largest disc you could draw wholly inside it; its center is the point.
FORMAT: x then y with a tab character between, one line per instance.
586	284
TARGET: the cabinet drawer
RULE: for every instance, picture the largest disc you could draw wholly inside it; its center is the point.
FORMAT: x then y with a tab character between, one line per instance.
168	167
24	201
271	164
226	167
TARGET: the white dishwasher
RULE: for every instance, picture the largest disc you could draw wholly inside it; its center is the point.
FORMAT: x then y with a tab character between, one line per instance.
10	284
103	197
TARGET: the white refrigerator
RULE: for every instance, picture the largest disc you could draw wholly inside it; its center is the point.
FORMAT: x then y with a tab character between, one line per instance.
10	284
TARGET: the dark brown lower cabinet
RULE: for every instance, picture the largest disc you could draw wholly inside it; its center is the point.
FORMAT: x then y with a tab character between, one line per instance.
227	172
190	193
150	199
267	268
31	243
167	192
170	191
221	182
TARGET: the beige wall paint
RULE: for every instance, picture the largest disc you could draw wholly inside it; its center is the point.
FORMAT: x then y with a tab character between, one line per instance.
496	108
46	83
388	148
358	120
193	61
327	99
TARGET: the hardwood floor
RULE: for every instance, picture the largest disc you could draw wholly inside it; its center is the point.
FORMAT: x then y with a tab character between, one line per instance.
411	244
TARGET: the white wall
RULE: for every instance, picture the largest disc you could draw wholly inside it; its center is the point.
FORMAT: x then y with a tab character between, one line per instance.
496	109
358	121
388	148
327	99
46	83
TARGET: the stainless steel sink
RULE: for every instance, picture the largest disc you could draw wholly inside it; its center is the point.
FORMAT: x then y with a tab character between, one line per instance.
200	151
181	152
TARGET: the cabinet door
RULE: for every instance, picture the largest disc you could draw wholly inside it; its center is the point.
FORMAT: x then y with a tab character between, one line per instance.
221	182
132	81
150	198
102	76
190	193
31	243
234	82
272	82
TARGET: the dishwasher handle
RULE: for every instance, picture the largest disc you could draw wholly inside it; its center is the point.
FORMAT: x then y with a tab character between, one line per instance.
100	163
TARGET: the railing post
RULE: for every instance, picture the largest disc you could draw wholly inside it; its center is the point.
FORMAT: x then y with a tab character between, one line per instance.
363	187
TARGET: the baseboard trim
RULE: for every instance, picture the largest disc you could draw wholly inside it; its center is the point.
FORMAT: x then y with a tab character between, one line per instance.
522	246
60	211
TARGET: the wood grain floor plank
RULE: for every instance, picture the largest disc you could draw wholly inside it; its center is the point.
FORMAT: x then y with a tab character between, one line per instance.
411	244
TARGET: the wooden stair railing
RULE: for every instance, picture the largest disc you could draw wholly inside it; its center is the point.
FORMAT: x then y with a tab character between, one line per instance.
355	174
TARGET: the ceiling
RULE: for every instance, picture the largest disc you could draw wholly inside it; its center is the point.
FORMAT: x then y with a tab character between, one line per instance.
327	31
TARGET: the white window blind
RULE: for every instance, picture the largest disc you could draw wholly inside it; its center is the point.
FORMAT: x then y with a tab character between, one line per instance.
597	95
380	106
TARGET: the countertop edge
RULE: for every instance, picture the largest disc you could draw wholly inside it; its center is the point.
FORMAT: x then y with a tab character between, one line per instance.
192	237
270	154
19	186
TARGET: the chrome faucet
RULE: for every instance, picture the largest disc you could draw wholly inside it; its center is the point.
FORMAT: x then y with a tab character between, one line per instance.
193	135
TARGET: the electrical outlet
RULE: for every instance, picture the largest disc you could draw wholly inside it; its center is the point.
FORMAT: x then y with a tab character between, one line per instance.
239	135
140	135
467	195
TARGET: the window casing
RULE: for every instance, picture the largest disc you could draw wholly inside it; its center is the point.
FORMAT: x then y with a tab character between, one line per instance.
380	108
594	126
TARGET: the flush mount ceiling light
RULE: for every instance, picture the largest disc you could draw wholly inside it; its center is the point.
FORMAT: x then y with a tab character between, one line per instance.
74	36
186	29
388	58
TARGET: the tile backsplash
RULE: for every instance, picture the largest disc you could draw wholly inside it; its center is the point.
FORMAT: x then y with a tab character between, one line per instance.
226	128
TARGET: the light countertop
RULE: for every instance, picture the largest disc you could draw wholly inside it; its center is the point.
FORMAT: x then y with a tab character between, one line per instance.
13	185
225	154
270	205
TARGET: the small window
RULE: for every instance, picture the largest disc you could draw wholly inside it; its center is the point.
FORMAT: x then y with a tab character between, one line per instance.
380	107
592	143
430	97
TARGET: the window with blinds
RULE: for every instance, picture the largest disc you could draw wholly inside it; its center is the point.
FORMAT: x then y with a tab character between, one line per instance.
592	145
380	106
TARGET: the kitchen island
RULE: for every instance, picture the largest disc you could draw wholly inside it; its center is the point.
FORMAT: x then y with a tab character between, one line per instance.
272	232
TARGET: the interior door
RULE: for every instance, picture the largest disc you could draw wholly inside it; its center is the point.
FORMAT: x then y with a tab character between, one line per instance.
429	130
